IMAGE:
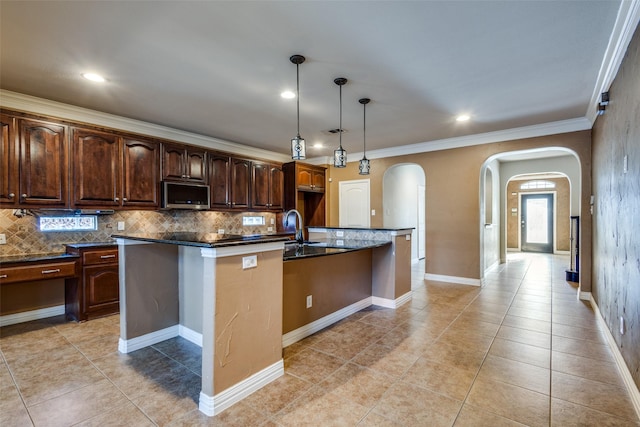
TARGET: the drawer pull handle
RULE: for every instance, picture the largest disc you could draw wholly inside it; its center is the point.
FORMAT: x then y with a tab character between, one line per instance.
55	270
107	256
3	276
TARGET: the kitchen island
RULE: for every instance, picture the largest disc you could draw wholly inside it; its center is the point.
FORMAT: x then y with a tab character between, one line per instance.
221	292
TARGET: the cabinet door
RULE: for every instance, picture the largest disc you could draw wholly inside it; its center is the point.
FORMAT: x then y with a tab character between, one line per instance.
8	162
196	166
96	168
140	174
304	178
173	162
219	180
240	183
101	290
317	181
276	181
261	189
44	163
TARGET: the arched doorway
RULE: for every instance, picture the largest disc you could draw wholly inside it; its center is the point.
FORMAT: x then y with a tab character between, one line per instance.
403	203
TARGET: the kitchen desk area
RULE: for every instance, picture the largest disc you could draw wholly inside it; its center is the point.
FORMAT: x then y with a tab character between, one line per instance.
244	298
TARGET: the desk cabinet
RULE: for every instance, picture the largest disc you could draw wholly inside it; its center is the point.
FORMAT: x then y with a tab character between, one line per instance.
97	293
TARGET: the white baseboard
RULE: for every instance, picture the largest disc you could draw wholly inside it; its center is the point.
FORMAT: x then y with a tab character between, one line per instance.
513	249
632	388
190	335
392	303
584	296
317	325
453	279
127	346
562	253
213	405
27	316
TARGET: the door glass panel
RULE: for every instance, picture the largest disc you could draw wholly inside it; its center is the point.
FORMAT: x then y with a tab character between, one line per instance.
537	221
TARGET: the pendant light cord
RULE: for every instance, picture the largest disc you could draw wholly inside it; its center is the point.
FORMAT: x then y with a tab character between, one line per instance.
364	131
340	130
298	95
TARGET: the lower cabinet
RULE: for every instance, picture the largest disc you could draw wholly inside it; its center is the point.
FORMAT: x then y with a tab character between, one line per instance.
97	292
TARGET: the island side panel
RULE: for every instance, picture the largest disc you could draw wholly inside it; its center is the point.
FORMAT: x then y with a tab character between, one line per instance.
191	288
402	248
148	288
333	281
248	317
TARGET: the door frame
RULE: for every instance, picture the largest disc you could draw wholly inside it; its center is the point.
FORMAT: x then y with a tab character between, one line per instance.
553	220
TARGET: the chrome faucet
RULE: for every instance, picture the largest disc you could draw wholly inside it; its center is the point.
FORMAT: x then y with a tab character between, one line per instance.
299	235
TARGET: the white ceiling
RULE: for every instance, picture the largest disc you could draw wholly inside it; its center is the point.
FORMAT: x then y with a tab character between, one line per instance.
217	68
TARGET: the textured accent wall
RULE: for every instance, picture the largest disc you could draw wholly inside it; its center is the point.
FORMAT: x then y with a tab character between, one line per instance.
616	220
24	237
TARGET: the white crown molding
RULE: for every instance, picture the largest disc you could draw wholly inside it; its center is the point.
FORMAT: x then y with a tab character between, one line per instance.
623	29
552	128
32	104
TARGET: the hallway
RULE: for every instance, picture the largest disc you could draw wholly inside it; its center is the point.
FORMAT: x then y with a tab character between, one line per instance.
522	350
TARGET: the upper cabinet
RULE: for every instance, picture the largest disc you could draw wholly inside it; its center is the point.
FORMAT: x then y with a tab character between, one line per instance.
240	184
35	163
268	181
111	171
96	168
182	163
230	182
310	178
140	173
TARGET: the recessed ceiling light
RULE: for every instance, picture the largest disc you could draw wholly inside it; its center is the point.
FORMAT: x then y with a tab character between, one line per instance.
318	145
288	94
94	77
463	118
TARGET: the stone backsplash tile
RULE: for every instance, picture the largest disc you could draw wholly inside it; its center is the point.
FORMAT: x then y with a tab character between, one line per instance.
24	236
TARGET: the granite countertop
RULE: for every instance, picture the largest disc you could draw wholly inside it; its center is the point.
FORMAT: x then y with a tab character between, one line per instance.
91	245
206	240
319	227
322	247
56	256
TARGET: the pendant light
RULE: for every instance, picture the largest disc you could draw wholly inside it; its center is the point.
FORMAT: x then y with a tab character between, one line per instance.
298	146
340	155
365	166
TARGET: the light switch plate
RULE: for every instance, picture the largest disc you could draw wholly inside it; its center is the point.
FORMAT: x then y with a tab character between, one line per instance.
249	262
220	230
407	237
3	239
120	225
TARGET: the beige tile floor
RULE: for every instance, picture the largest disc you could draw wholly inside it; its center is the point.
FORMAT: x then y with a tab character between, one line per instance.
522	350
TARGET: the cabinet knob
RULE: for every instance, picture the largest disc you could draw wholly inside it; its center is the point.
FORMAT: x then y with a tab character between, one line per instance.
124	199
116	199
12	195
183	176
24	196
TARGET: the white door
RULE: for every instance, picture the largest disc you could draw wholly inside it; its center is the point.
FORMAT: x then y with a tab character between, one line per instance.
420	229
354	203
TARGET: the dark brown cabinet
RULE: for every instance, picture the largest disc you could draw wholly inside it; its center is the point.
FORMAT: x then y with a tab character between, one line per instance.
35	164
140	173
230	182
240	183
267	185
96	169
182	163
97	292
304	190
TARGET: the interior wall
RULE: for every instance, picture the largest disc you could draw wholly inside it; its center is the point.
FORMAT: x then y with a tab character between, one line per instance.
490	209
562	212
452	199
616	246
400	200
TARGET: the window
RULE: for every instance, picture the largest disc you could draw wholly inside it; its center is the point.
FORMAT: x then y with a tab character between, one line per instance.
537	185
68	223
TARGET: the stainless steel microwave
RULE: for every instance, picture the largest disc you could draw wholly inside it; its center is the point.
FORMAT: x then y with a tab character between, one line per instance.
185	195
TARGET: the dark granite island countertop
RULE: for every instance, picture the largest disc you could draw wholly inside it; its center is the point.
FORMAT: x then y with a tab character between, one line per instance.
204	240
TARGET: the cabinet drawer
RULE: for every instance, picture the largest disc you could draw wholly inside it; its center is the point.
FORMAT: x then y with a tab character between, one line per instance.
37	272
100	257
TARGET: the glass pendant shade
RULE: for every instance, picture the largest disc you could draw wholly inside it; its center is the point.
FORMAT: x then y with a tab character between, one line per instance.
298	144
365	166
340	155
298	148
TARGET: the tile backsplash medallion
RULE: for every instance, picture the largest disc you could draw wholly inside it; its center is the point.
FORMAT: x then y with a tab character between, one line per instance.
24	236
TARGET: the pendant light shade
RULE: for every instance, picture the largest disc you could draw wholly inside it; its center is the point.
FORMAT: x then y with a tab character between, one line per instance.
298	144
365	165
340	155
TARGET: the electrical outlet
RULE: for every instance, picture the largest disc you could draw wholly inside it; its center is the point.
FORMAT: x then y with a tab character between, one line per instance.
269	228
373	212
120	225
339	233
249	262
309	301
339	242
622	328
3	239
407	237
220	230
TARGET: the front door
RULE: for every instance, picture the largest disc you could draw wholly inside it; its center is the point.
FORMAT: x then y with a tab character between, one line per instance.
537	223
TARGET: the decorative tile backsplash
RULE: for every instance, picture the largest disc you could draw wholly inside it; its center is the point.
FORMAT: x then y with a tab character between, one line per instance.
25	238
